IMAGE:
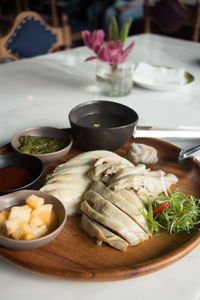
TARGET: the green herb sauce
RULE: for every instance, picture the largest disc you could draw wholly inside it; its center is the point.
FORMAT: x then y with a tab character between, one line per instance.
40	145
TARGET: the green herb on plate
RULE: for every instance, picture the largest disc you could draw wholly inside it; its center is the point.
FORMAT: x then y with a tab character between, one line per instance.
154	226
175	213
189	77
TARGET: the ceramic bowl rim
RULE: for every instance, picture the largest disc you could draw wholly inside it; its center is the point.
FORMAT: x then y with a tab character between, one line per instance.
98	102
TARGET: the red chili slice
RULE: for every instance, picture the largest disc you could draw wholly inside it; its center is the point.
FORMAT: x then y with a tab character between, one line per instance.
161	207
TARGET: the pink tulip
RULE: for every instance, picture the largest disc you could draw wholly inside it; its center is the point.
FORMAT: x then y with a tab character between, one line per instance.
110	51
93	40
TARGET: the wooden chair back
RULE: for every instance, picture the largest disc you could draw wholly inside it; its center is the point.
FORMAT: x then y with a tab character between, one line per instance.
27	5
63	34
55	17
187	15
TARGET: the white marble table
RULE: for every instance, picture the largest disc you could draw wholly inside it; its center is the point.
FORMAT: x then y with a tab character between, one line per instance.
42	91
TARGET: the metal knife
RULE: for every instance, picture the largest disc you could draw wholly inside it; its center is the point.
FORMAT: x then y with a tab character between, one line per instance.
155	132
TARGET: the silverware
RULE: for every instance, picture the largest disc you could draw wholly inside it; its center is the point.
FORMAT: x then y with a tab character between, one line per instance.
185	154
154	132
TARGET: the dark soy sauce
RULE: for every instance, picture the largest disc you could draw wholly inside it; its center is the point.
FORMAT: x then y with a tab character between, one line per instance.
13	177
102	120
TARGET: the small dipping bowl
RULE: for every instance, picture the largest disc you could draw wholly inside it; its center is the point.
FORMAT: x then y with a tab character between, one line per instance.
45	131
102	125
19	198
19	171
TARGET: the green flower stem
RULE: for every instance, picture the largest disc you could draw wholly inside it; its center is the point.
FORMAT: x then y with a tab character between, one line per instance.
114	67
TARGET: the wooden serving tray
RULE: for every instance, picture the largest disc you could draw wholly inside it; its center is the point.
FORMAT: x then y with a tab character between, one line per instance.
75	255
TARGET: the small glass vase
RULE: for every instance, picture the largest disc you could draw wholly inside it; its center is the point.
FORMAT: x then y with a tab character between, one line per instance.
114	80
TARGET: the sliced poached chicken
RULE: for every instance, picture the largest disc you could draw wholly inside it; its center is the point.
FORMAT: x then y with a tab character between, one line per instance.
125	201
102	234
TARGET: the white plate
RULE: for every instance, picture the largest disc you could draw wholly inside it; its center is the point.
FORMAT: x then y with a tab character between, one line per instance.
162	87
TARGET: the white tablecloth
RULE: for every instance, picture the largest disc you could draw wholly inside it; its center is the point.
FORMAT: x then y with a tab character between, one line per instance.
42	91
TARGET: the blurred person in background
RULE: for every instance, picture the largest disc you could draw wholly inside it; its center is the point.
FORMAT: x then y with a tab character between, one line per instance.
76	11
122	10
95	12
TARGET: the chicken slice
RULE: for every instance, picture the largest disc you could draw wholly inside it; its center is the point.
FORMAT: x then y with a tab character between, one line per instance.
69	192
148	184
102	234
97	172
132	197
107	209
109	223
114	159
67	178
88	158
122	201
153	186
139	169
80	169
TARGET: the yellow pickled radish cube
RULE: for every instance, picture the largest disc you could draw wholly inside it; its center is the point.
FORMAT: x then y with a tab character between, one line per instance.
34	201
20	212
3	216
29	236
39	231
12	225
52	222
35	220
43	212
23	232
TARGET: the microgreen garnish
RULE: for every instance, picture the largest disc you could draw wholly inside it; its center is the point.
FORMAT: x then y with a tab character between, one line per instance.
154	226
175	212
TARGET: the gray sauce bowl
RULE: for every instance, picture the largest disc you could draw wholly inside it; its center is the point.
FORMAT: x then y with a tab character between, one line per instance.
19	198
45	131
102	125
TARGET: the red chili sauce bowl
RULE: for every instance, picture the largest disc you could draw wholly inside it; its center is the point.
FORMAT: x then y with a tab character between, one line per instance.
19	171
